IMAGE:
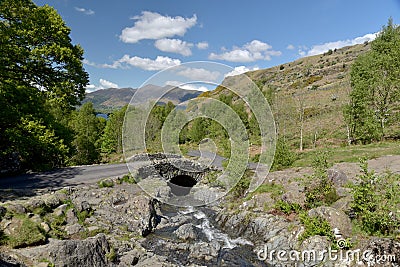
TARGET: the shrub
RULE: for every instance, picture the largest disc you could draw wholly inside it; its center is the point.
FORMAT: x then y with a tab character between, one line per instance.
376	202
126	179
319	189
106	183
315	226
287	207
284	157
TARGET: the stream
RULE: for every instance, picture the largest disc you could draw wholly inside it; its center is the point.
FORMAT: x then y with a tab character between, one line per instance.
188	236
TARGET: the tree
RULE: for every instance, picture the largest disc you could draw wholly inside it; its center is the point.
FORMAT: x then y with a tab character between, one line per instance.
375	82
88	129
41	75
112	137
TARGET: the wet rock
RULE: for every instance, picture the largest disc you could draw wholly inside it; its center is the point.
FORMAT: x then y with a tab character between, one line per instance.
186	232
336	218
204	251
148	215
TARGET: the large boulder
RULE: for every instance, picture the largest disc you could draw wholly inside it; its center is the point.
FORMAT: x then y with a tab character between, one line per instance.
92	251
336	218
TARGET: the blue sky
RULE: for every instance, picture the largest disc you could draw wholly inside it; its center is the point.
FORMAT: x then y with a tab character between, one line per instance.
127	41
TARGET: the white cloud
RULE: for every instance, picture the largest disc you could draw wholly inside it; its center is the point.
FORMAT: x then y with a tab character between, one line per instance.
151	25
127	61
174	46
199	74
104	84
255	50
187	86
159	63
240	70
322	48
108	84
84	10
290	47
202	45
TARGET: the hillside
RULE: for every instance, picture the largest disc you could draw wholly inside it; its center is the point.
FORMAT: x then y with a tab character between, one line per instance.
112	98
315	88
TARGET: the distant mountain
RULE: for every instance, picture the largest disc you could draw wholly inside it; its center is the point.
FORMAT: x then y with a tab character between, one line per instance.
112	98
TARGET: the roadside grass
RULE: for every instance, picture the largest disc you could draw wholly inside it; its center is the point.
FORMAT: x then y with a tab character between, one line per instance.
351	153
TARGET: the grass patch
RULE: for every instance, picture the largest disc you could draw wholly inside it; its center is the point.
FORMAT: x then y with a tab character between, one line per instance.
27	233
275	189
351	153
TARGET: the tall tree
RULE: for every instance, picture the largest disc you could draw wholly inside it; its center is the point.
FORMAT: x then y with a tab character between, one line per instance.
112	137
41	75
375	81
88	130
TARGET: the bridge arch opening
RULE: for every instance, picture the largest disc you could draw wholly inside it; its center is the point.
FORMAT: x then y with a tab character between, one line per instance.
181	184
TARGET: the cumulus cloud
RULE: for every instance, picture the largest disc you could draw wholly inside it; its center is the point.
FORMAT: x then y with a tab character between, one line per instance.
199	74
322	48
174	46
159	63
84	10
104	84
108	84
255	50
290	47
127	61
187	86
240	70
151	25
202	45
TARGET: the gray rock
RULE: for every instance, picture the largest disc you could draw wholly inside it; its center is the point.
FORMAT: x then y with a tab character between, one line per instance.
380	248
186	232
149	217
336	218
294	194
3	212
338	177
45	227
73	229
71	216
60	210
89	252
16	208
317	244
204	251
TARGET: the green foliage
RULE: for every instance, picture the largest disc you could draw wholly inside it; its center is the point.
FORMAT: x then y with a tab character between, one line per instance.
375	95
28	233
315	226
112	255
41	77
284	156
240	189
287	207
112	137
319	189
3	238
88	129
126	179
376	202
105	183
